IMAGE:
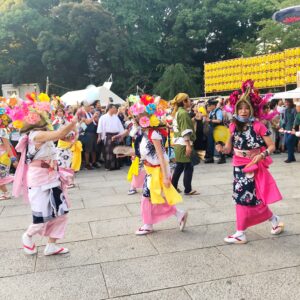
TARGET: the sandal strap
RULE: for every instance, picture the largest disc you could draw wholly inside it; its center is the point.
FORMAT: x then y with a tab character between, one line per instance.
234	237
29	248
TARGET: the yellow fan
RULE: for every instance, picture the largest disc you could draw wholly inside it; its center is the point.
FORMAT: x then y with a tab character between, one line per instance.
221	134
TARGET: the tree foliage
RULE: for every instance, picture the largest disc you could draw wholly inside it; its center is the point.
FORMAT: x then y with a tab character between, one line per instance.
159	45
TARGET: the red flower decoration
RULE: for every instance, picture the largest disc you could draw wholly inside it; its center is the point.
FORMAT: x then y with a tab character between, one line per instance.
147	99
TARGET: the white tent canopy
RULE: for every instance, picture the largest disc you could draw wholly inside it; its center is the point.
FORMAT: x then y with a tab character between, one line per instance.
288	94
90	95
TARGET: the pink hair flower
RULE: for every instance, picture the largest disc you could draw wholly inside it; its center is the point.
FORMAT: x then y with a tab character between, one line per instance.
144	122
137	109
33	118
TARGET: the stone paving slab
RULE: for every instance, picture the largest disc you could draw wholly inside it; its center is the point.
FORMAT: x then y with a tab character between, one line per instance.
278	284
165	271
110	201
198	237
96	251
98	213
264	255
72	283
292	226
15	262
168	294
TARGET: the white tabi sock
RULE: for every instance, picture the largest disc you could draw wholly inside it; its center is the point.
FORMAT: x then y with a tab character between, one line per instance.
274	220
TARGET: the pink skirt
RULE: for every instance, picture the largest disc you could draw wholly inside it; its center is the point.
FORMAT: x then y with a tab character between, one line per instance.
247	216
154	213
55	228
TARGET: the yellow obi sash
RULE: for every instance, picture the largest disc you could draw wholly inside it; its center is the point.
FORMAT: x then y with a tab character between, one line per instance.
134	169
157	187
76	148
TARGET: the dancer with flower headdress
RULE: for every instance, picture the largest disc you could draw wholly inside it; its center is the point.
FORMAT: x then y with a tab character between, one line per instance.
7	156
159	196
254	187
37	176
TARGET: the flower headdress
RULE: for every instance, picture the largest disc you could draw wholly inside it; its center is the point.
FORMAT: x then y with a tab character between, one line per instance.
249	95
4	118
30	114
151	111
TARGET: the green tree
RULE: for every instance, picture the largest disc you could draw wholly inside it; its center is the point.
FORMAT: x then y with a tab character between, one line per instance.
174	80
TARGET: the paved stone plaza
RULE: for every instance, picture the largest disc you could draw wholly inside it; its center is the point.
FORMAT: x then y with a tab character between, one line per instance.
108	261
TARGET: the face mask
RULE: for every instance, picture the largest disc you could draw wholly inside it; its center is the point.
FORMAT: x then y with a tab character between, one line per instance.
243	120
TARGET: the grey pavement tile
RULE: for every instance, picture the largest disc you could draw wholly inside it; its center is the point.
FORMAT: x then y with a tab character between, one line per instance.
291	222
73	283
194	237
96	193
222	200
190	203
278	284
1	209
115	227
168	294
123	226
134	208
13	201
211	216
98	213
207	190
110	183
165	271
96	251
264	255
15	262
110	200
15	223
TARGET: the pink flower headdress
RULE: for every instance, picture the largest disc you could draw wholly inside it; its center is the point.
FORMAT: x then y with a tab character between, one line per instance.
250	95
31	113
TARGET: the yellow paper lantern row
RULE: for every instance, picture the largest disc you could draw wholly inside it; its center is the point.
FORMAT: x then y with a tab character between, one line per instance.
226	79
271	70
292	71
292	52
294	61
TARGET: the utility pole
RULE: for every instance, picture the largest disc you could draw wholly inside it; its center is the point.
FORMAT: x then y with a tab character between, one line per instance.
47	85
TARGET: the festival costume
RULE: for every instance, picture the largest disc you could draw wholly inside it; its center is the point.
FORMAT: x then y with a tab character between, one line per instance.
254	188
5	163
158	201
40	181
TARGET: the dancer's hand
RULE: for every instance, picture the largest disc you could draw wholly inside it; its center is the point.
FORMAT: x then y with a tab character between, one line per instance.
219	148
167	182
188	150
257	158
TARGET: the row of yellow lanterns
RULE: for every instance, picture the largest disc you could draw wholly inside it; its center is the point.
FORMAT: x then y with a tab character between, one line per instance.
290	56
276	82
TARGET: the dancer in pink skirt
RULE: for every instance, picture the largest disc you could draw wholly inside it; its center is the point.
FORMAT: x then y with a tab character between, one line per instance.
39	179
254	187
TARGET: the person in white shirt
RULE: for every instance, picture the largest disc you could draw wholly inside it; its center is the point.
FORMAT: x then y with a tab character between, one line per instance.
110	125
